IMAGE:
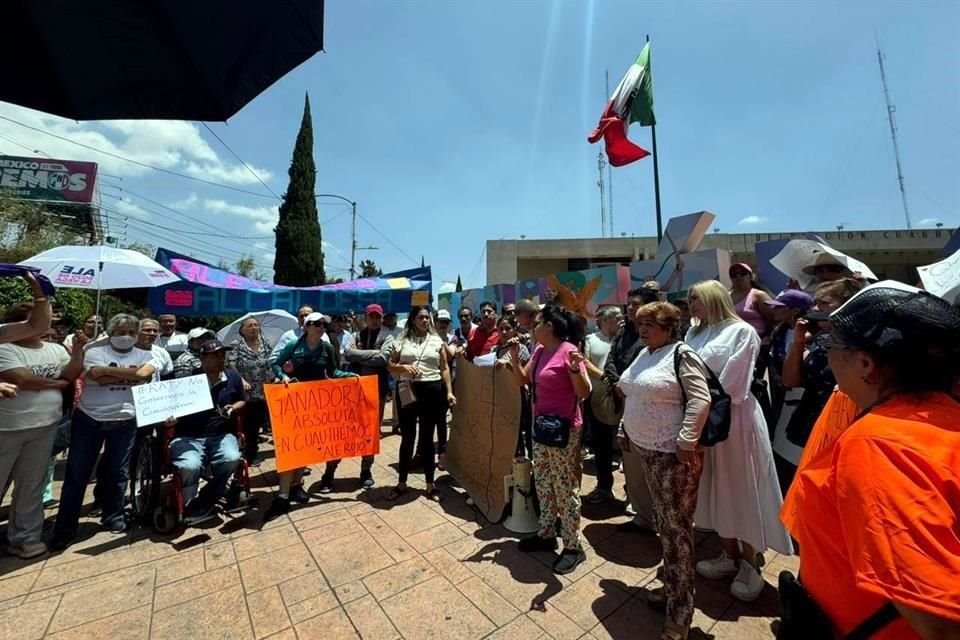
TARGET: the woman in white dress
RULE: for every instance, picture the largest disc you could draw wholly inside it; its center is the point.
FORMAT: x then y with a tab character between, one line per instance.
739	494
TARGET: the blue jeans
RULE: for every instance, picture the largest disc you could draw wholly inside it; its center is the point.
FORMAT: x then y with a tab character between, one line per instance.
191	454
86	437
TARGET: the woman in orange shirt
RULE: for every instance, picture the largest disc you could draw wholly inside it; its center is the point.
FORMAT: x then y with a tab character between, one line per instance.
877	515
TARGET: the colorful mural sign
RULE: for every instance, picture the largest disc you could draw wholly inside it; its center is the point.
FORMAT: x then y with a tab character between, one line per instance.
209	291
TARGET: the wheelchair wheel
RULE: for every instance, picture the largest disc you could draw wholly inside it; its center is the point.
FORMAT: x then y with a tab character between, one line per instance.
165	520
145	478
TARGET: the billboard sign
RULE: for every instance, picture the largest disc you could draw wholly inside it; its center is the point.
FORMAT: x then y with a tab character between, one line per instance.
47	179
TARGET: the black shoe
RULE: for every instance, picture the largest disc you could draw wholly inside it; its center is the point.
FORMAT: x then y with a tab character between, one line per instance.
307	471
95	511
279	507
326	483
569	560
297	494
61	541
366	479
51	503
633	527
536	543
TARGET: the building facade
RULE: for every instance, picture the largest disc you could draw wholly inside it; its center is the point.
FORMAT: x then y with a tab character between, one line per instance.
893	253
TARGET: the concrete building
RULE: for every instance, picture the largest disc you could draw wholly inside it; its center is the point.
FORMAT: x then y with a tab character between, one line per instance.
894	253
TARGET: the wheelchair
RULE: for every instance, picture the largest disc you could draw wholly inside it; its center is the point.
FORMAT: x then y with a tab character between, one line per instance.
156	489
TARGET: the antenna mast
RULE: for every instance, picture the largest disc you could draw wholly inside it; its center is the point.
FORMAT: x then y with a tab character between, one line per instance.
603	210
609	172
893	134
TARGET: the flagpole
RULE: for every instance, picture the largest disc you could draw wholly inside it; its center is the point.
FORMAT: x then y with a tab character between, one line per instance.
656	166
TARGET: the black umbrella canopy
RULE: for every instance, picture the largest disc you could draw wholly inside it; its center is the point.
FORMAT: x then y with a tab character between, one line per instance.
151	59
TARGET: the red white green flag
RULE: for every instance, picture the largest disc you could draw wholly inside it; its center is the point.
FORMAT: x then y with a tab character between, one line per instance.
632	101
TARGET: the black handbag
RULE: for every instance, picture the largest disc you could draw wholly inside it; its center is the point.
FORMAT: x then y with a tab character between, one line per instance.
549	430
717	427
801	618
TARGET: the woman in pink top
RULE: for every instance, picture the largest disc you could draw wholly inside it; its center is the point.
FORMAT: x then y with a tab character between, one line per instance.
559	381
748	298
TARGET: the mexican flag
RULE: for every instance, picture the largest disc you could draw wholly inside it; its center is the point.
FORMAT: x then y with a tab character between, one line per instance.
632	101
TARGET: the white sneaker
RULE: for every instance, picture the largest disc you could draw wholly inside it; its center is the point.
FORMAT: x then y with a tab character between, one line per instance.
748	584
28	550
722	566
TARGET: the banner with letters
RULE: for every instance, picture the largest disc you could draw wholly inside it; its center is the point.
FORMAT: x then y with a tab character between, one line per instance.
314	422
206	290
47	179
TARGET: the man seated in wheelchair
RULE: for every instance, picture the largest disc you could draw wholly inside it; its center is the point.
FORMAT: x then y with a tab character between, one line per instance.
208	437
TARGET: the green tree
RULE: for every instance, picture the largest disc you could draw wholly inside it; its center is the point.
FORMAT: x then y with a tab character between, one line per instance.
143	248
369	269
245	266
299	248
459	286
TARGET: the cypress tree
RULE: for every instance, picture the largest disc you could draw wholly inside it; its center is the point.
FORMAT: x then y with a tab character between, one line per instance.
299	247
459	284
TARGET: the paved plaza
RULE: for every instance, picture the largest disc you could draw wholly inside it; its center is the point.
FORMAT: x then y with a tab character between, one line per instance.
353	565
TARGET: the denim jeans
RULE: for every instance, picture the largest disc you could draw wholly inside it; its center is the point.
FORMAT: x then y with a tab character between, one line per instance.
23	458
190	455
86	437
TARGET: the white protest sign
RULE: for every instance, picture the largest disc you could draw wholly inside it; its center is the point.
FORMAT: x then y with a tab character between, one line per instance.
157	401
942	278
798	254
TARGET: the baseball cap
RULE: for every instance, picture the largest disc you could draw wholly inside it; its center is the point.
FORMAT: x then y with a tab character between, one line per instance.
212	346
316	316
793	298
374	310
890	317
198	332
443	314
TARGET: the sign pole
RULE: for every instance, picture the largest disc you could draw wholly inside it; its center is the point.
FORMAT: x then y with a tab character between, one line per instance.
656	165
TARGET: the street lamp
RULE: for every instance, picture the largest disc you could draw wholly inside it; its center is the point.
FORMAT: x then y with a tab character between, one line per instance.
353	231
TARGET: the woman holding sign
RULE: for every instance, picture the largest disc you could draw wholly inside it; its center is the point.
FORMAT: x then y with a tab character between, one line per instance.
419	362
307	359
558	383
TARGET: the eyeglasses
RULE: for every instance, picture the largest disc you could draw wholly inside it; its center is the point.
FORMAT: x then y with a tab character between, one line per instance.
830	268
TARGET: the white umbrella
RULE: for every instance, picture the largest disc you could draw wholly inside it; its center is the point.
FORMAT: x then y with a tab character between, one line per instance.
273	324
99	267
943	278
798	254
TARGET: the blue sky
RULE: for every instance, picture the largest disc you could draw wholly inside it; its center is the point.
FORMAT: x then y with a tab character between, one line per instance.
451	123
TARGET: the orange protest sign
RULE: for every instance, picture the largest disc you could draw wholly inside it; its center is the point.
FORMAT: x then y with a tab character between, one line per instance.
325	420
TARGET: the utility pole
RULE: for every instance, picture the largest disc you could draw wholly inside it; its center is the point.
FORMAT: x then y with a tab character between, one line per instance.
609	171
603	214
893	134
353	241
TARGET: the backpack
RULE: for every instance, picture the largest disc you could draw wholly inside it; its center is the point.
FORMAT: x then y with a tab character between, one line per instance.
717	427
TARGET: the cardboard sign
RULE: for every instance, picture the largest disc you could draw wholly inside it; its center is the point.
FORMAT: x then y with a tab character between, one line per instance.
943	278
483	434
325	420
157	401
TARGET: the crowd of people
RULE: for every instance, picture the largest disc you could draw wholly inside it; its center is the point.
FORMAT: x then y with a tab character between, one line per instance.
841	397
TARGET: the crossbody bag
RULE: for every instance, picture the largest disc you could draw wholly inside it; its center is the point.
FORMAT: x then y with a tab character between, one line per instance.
549	429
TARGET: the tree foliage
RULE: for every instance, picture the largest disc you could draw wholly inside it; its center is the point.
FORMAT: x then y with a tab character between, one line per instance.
299	248
369	269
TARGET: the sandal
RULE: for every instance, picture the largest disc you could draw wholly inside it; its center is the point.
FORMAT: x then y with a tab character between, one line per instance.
396	492
433	496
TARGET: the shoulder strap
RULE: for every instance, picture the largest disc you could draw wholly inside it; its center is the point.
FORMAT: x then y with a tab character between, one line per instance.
677	355
877	621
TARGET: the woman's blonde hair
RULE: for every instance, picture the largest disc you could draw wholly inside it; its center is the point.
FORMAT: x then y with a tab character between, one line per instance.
717	302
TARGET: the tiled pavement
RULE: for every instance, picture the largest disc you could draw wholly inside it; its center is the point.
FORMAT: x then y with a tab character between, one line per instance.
352	565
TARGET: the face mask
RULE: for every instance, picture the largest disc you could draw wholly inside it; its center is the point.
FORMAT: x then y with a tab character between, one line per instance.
123	342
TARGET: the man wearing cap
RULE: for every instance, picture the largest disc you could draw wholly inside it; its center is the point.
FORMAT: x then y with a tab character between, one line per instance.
789	305
175	342
366	352
208	437
188	363
390	325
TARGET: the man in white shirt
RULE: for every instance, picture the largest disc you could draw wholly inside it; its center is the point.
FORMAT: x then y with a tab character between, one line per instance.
146	340
169	338
599	407
92	328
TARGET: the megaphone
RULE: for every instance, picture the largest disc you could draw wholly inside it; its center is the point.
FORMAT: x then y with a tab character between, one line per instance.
517	490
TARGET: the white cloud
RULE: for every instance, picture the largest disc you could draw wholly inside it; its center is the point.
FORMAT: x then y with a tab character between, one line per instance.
928	222
169	144
186	203
447	287
264	218
752	220
128	207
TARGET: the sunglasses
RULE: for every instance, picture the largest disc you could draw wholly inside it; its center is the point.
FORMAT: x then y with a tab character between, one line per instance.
830	268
